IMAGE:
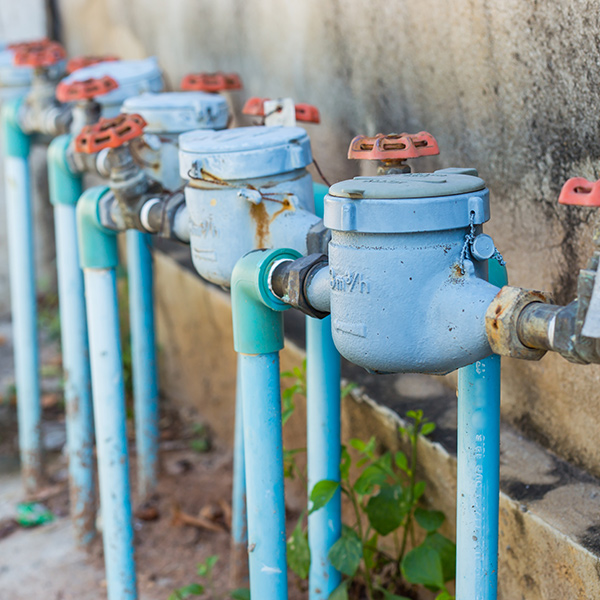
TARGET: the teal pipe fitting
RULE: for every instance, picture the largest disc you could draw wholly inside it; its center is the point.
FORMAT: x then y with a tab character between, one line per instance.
15	141
65	186
97	244
257	318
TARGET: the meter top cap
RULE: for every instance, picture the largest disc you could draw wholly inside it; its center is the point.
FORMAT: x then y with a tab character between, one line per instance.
175	112
408	202
243	152
12	75
133	76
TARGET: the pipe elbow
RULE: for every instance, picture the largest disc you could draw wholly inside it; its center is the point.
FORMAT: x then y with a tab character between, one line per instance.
257	312
65	185
15	141
97	244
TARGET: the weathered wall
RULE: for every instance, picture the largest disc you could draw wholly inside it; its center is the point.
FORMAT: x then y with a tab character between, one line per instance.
508	86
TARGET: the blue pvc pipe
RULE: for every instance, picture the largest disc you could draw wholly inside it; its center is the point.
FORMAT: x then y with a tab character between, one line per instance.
264	472
239	525
478	478
65	189
76	366
323	441
143	351
111	434
23	294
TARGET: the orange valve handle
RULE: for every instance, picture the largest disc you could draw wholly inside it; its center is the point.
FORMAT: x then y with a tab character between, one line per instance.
307	113
78	62
578	191
394	146
85	90
41	53
255	107
109	133
211	82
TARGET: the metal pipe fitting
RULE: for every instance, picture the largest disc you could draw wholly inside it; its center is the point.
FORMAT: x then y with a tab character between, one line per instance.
536	325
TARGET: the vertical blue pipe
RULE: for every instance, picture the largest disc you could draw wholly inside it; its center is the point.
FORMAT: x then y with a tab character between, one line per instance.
478	485
65	188
23	293
264	471
111	434
99	257
323	442
239	526
143	350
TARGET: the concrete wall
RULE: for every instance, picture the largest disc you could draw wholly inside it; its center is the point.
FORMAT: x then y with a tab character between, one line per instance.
24	20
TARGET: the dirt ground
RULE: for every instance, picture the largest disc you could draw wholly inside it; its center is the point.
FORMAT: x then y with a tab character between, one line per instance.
43	562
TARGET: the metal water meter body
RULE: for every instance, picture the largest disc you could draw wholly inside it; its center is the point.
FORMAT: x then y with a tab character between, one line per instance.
407	294
247	188
169	114
133	76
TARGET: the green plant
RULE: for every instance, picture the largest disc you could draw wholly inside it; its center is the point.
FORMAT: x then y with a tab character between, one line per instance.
384	497
205	571
201	441
48	315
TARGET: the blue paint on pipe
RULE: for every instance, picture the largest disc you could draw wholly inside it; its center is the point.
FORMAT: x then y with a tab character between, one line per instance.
111	434
239	523
65	189
23	293
323	450
264	471
143	350
478	478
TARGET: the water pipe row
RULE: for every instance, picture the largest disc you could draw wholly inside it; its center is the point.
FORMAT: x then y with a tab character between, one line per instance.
247	189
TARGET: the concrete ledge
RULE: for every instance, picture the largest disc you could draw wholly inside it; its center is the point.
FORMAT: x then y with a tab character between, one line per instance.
549	509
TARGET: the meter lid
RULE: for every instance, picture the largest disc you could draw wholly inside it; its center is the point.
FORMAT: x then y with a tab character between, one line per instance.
10	74
176	112
133	76
244	152
409	202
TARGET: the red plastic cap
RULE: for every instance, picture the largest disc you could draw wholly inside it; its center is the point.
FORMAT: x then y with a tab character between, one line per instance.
307	113
109	133
394	146
578	191
211	82
255	107
85	90
85	61
41	53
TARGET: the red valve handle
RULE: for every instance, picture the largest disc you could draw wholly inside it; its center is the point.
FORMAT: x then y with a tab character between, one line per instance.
78	62
394	146
211	82
255	107
578	191
41	53
109	133
307	113
85	90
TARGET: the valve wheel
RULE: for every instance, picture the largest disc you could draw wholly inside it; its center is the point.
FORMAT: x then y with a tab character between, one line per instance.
41	53
308	113
109	133
211	82
85	90
578	191
78	62
394	146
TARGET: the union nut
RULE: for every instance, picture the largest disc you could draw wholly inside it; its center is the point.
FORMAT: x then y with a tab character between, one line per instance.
501	320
